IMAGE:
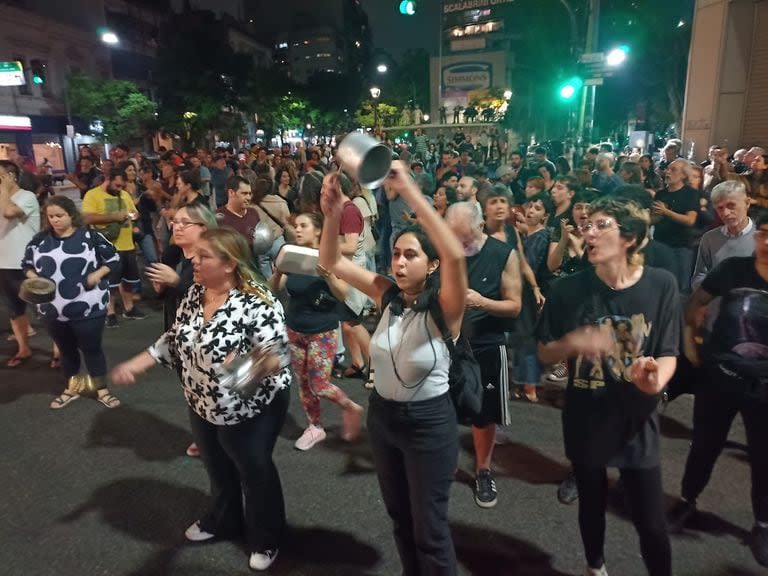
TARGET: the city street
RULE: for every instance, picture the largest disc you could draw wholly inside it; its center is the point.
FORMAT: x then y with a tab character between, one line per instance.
92	491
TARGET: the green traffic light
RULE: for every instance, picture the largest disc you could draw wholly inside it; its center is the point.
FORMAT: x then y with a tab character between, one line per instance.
408	7
37	79
568	89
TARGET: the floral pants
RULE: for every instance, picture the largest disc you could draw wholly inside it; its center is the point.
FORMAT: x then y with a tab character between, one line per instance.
312	358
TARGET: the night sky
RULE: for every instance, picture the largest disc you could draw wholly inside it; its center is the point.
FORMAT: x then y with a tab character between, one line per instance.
395	33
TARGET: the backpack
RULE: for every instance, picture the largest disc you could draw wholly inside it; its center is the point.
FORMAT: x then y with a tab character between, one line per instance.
464	380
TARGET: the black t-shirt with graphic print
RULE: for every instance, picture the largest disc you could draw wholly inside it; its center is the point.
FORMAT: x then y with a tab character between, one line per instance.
607	421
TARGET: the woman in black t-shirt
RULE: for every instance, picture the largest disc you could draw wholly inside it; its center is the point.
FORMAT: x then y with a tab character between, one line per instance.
312	317
617	325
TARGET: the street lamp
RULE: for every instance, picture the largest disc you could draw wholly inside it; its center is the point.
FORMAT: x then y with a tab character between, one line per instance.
375	93
617	56
382	68
426	118
109	37
507	94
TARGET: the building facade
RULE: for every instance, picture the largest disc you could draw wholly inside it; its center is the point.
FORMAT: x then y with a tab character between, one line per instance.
726	98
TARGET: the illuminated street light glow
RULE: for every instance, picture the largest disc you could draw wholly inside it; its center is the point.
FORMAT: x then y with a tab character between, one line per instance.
567	91
381	68
375	92
109	37
617	56
507	94
426	117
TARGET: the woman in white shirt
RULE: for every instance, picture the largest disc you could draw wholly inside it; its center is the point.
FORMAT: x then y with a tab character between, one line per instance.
411	419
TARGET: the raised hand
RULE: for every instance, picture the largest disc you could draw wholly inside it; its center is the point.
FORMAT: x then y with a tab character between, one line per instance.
331	198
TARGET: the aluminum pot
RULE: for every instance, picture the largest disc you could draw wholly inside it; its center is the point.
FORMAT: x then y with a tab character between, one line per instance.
365	159
245	374
37	290
261	238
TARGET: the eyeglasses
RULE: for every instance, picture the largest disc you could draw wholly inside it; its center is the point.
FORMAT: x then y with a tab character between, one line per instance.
184	224
600	226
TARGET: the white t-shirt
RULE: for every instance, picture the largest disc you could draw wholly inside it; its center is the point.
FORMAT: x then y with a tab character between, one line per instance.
16	233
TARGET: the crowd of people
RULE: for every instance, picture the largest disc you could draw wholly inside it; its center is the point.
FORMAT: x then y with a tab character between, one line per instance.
612	271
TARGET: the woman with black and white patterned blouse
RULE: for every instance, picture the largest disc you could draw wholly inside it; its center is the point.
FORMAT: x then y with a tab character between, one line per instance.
79	261
228	313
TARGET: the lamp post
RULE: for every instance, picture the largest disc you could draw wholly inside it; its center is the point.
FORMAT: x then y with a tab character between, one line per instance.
375	93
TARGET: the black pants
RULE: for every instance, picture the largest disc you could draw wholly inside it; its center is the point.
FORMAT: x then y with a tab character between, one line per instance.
645	498
719	398
75	336
239	463
415	450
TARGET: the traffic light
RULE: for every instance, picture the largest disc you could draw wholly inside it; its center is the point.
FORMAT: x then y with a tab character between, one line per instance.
37	70
408	7
569	89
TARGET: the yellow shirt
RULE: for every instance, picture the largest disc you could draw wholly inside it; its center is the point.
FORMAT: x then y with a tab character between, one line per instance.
99	201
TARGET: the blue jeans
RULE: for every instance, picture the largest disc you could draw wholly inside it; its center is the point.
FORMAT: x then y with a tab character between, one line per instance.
265	260
148	250
527	365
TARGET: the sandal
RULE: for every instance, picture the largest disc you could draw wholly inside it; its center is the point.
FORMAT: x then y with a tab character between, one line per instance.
369	382
108	400
17	361
63	399
354	372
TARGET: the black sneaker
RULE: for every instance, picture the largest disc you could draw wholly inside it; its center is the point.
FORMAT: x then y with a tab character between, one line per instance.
134	314
680	514
759	544
112	321
485	489
568	491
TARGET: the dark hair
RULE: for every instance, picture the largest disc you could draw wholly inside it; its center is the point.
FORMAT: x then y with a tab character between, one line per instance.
761	218
279	174
261	187
633	193
585	196
191	178
451	196
540	150
309	189
315	217
233	182
114	173
571	181
563	167
548	167
546	202
632	220
122	147
66	204
10	167
495	191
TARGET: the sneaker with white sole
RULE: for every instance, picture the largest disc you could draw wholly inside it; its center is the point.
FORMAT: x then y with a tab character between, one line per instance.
486	495
195	534
262	560
559	373
589	571
312	435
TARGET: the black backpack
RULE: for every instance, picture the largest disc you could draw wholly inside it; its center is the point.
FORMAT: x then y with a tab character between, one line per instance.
464	379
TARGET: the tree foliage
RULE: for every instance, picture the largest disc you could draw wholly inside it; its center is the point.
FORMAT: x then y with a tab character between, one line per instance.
124	112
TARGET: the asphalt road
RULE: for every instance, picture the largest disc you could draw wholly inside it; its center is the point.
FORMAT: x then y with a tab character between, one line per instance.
92	491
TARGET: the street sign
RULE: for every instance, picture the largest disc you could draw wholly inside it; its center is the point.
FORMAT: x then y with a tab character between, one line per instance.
593	82
12	74
592	58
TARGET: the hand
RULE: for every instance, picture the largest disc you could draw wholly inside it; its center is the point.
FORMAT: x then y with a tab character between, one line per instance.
644	373
565	228
659	208
122	374
331	198
590	341
323	272
540	300
474	300
92	280
162	274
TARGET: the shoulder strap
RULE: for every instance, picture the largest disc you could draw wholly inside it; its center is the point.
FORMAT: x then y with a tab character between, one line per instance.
439	318
275	220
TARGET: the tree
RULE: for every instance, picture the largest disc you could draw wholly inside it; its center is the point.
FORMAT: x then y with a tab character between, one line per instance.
199	75
123	111
409	80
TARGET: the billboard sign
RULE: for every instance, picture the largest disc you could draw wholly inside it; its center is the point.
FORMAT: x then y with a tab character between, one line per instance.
467	76
12	74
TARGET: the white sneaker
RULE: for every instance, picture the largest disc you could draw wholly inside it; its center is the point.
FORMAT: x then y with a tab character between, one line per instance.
312	435
262	560
595	571
195	534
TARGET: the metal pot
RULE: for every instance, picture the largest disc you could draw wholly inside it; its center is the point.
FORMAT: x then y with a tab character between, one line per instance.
245	374
365	159
37	290
261	238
